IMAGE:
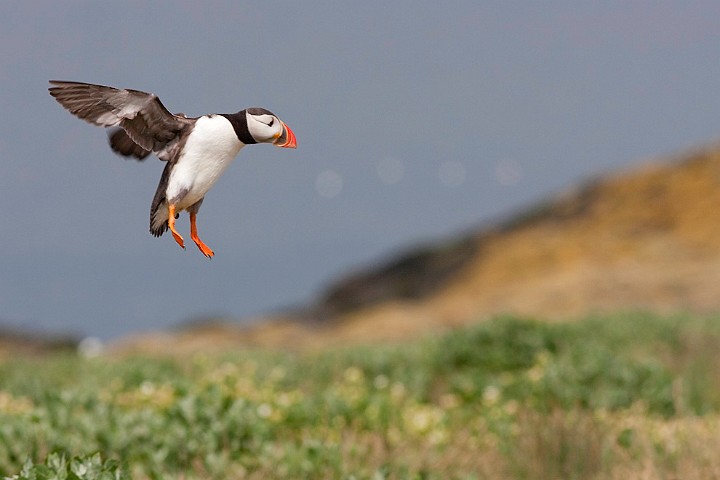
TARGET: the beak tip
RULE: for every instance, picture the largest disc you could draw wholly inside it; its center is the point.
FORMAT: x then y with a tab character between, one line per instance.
291	141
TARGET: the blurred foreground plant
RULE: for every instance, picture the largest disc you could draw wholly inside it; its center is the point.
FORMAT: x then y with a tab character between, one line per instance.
58	467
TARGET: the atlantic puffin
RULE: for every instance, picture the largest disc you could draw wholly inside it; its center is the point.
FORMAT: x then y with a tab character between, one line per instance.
197	150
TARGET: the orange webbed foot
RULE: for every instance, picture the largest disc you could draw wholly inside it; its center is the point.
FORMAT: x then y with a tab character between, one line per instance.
207	251
179	239
204	248
171	225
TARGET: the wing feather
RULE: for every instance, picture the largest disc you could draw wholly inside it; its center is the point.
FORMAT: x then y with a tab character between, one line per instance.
123	145
141	115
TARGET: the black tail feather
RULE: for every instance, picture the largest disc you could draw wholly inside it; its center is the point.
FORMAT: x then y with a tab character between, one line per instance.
158	209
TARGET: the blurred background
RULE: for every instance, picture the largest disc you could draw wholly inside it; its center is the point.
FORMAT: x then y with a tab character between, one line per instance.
416	122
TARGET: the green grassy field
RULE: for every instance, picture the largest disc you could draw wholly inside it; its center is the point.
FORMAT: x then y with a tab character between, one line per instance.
625	396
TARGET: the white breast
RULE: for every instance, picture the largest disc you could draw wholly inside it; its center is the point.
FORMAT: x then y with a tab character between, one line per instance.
209	150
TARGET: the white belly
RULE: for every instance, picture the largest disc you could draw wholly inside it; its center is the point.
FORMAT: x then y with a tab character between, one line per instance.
210	149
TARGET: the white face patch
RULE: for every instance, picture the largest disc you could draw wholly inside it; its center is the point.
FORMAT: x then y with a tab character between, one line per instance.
264	128
266	119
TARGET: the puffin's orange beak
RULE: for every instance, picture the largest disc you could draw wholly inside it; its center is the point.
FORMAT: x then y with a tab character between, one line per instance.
286	138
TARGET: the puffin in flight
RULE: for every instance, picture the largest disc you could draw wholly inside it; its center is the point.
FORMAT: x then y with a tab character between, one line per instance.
197	150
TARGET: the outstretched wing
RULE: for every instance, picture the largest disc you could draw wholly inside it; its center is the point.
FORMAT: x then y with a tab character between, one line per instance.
141	115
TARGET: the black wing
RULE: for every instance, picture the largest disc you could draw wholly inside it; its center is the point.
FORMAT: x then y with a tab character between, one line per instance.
141	116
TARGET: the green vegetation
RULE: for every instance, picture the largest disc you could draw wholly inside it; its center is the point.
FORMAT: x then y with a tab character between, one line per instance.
625	396
57	467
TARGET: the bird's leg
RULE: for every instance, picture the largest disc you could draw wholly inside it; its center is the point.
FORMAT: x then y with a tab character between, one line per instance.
171	226
193	234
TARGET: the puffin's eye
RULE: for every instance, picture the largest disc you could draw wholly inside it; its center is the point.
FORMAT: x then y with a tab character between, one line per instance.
267	120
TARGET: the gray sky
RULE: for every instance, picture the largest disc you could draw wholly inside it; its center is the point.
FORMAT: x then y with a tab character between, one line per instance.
414	121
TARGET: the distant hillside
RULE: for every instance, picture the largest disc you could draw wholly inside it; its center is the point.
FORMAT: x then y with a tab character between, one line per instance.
643	239
24	342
